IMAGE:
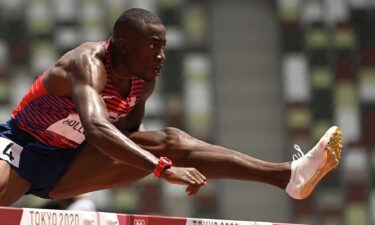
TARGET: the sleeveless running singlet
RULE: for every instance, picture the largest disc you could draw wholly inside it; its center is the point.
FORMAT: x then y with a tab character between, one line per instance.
53	120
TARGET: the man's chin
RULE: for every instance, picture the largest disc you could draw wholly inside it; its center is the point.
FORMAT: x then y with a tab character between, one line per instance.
148	78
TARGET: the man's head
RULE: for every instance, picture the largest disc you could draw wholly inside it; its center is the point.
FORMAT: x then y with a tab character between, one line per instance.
139	37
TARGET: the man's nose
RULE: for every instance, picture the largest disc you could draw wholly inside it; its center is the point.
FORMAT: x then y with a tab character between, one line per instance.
161	56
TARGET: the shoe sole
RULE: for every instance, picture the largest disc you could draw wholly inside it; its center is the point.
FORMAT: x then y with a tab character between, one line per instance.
331	159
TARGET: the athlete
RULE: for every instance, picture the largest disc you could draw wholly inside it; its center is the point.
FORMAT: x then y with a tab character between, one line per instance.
77	129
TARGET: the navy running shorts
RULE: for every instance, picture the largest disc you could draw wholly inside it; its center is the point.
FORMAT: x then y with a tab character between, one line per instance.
39	164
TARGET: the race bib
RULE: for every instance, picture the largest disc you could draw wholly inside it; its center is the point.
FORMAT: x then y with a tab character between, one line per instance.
70	128
10	151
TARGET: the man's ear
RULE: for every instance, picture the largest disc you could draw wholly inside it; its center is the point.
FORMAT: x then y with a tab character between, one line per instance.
122	43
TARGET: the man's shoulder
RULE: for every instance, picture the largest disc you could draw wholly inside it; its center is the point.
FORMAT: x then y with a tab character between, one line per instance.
95	48
92	44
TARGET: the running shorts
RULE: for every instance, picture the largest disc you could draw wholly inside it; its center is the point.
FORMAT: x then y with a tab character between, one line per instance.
39	164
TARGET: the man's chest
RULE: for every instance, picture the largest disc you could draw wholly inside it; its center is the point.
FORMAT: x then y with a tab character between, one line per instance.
117	106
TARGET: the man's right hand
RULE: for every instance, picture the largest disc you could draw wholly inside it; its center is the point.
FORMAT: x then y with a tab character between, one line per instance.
185	176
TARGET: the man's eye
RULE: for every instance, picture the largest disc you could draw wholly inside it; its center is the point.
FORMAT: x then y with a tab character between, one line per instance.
152	46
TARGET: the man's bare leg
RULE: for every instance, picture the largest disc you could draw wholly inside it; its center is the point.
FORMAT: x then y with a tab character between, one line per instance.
12	186
93	170
213	161
299	178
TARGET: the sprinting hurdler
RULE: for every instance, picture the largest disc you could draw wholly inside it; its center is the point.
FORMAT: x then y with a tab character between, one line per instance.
77	129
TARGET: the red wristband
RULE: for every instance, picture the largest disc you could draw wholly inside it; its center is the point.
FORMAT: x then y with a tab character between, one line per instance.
163	164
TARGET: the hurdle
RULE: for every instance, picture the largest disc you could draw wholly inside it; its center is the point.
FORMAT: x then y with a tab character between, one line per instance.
31	216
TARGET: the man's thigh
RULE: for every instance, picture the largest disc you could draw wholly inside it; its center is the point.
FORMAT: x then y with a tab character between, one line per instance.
92	170
12	186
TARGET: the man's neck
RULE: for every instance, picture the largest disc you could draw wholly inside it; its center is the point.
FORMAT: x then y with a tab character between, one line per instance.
118	69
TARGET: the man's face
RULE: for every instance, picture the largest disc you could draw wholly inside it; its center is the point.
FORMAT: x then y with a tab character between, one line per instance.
145	55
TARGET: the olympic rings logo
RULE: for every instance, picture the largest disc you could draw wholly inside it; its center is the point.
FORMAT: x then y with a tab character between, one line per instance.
139	222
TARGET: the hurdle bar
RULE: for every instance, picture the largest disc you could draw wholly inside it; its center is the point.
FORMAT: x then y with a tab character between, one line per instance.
30	216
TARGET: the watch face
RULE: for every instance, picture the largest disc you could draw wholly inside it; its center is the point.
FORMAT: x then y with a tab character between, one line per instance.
166	161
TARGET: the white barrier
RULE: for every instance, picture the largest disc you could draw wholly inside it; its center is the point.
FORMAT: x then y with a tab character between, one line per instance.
28	216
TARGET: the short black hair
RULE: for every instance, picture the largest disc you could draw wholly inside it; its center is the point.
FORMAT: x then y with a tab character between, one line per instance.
134	19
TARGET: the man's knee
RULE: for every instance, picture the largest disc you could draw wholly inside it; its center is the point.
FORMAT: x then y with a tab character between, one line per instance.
172	131
176	139
173	137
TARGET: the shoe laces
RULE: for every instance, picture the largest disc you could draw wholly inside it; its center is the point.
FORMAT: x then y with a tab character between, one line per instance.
299	153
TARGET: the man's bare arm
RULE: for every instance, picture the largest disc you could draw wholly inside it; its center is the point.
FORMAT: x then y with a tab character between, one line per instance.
88	79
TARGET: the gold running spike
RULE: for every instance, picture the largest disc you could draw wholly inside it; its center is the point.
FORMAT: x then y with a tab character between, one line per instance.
331	158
